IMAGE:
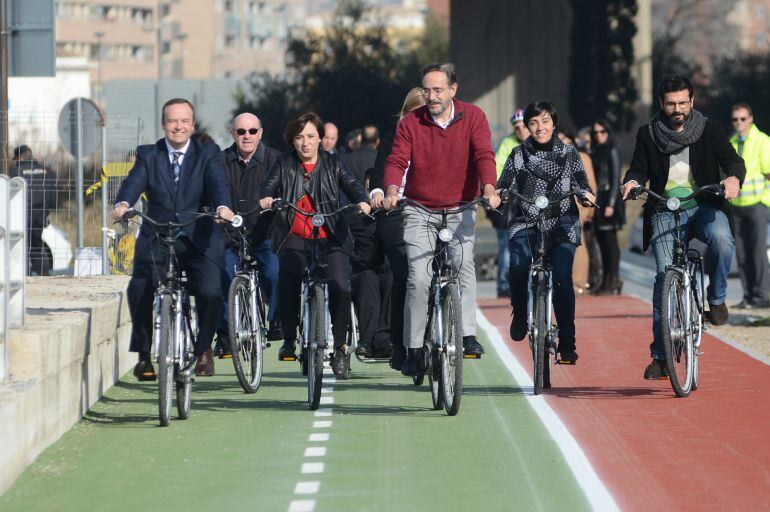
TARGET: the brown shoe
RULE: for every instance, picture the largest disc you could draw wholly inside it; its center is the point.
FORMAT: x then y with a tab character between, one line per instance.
718	314
205	365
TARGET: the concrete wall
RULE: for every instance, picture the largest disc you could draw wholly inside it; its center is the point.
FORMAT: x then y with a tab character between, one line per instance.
73	347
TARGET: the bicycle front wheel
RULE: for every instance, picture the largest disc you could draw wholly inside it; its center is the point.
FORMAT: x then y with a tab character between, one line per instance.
677	337
184	382
452	354
539	333
245	334
315	350
165	359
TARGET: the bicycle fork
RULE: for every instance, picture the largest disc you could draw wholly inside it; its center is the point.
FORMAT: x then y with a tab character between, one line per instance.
552	331
684	331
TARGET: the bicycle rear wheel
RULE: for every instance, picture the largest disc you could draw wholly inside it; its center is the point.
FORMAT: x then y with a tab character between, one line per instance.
165	359
184	382
246	335
452	351
696	320
315	350
677	340
539	333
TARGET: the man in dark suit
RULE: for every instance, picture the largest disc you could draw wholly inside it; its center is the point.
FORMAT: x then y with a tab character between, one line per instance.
363	158
180	176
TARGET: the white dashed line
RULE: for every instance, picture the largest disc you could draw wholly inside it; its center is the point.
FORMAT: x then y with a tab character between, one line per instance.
312	467
302	506
326	400
307	487
326	391
319	438
322	424
320	413
315	451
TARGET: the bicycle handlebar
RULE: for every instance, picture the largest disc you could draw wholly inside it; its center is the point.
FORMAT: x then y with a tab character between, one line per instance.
131	213
673	203
449	211
542	202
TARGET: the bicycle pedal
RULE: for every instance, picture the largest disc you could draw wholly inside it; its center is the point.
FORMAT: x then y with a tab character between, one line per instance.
471	356
287	358
699	353
563	361
227	356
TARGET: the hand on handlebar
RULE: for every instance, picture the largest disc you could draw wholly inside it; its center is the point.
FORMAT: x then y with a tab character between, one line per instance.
119	211
224	214
390	202
627	187
587	199
377	200
266	203
492	197
364	207
732	187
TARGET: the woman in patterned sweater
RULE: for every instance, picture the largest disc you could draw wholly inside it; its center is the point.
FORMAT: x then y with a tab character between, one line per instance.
544	165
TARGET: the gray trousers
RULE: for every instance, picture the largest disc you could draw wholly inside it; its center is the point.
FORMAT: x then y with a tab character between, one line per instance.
751	251
420	231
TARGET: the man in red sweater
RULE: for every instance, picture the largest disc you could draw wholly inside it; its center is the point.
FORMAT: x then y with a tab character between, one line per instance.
447	148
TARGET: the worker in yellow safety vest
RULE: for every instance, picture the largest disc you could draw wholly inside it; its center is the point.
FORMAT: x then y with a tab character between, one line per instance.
751	209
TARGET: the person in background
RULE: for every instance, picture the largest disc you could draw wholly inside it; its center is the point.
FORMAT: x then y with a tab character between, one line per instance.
750	209
582	264
41	199
611	215
353	140
330	139
500	220
246	163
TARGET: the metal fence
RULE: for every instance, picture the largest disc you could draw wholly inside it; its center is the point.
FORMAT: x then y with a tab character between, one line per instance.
69	198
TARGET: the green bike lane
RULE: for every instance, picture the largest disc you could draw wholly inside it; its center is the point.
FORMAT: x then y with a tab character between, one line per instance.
375	444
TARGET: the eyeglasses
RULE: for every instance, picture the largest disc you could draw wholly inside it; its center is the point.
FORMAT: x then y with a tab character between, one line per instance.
741	119
242	131
436	91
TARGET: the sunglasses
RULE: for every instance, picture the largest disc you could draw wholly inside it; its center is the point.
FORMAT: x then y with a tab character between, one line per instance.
242	131
741	119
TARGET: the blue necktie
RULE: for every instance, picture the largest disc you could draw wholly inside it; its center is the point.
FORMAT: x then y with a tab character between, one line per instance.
176	165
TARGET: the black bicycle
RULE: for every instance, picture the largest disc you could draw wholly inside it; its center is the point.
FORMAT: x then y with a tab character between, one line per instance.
443	339
174	324
542	328
246	314
315	322
681	297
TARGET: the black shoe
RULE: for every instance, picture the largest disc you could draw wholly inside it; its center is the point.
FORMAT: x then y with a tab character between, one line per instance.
287	351
340	361
471	346
398	357
718	314
412	362
145	372
656	370
275	333
567	355
364	350
222	347
518	327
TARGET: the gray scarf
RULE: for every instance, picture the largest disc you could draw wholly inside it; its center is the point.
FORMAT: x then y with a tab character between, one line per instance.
669	141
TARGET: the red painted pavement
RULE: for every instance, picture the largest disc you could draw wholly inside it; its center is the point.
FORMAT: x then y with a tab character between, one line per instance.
709	451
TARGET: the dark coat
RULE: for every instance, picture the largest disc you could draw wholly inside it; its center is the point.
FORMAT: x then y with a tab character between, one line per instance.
244	181
711	158
41	190
201	183
360	161
287	181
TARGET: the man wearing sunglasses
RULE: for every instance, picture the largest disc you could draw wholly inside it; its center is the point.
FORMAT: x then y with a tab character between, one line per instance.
246	163
750	209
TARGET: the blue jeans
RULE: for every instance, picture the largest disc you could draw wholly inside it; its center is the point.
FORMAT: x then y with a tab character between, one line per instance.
503	259
709	225
561	256
267	264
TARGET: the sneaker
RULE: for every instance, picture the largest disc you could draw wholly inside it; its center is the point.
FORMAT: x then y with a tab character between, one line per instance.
471	346
398	357
568	355
275	333
286	350
656	370
718	314
412	363
518	327
340	361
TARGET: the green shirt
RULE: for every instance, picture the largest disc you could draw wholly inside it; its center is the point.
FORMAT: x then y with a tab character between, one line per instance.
680	181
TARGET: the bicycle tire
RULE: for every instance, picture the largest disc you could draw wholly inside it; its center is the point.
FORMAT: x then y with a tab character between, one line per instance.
452	352
433	364
539	333
677	344
315	348
697	320
183	383
245	335
165	359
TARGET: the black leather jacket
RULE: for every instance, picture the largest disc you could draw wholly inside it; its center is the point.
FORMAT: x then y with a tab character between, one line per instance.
287	180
